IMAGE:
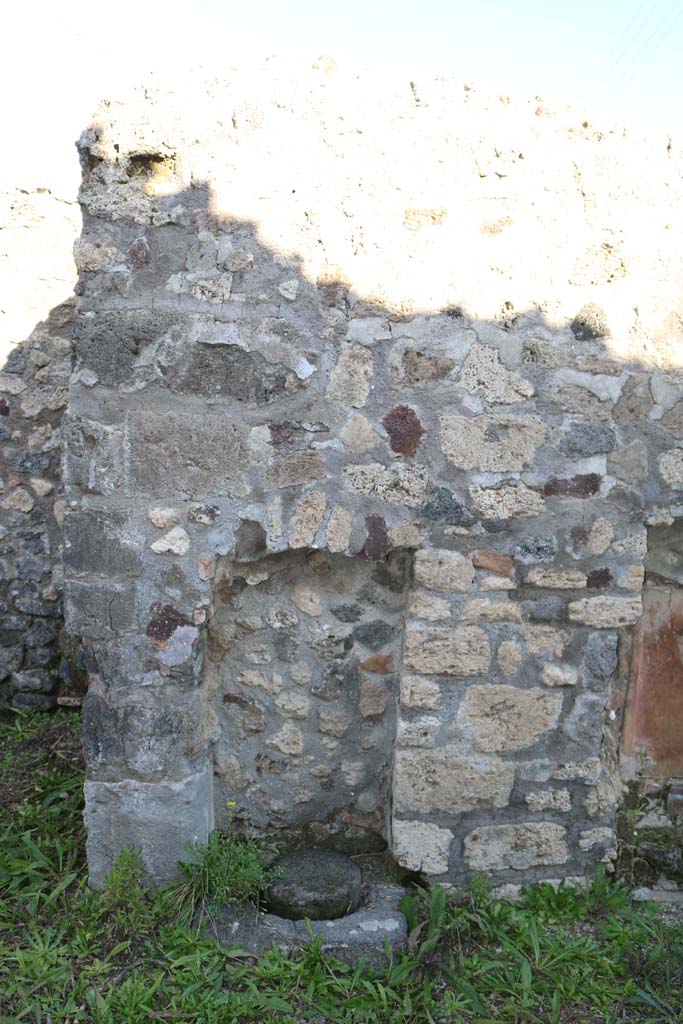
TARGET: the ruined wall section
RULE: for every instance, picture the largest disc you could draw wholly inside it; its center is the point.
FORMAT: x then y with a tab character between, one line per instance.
38	228
346	319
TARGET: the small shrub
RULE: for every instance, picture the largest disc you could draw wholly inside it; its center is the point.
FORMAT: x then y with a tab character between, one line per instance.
230	868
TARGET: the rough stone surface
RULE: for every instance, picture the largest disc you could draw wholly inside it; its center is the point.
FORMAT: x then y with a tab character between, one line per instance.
363	935
519	847
326	495
318	884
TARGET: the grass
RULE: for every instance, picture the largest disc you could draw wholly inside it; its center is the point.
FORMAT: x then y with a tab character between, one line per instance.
129	956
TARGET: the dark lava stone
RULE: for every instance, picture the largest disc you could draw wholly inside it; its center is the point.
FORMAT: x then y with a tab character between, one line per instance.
536	549
318	884
442	506
374	634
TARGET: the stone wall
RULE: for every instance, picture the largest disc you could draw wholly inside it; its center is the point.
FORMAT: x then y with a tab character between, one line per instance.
38	226
377	390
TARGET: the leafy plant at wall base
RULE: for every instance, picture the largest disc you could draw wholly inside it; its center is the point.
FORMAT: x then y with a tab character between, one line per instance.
230	868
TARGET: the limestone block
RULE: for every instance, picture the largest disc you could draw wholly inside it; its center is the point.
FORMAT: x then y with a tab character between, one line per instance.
559	675
497	717
423	605
338	529
556	579
416	692
421	846
351	377
374	695
506	501
483	373
606	612
464	651
288	740
308	516
483	609
358	435
448	779
549	800
175	542
493	443
443	570
160	818
418	732
401	484
509	657
671	467
496	847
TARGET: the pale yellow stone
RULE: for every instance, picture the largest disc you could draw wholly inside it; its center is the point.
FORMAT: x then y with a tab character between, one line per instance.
497	717
400	484
482	609
350	379
251	677
600	537
338	529
449	779
41	487
308	516
358	435
493	443
418	732
289	739
443	570
606	612
484	374
549	800
556	579
416	692
163	518
497	583
333	723
541	639
405	535
520	847
464	651
509	657
19	500
421	846
671	467
423	605
559	675
175	542
589	770
306	599
507	501
293	704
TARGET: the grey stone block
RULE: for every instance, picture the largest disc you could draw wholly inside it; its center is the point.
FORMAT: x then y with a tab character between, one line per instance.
96	542
95	610
185	454
161	819
109	343
362	935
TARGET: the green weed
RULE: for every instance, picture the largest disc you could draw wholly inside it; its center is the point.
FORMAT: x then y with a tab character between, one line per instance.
560	955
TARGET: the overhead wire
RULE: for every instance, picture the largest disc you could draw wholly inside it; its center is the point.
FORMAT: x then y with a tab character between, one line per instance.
658	34
629	35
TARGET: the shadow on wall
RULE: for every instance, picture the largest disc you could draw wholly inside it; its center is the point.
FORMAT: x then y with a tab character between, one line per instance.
216	384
